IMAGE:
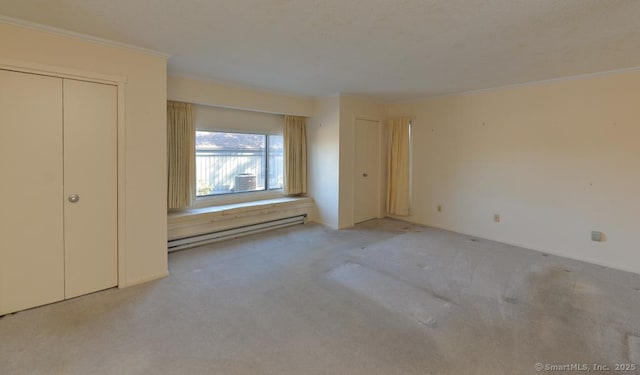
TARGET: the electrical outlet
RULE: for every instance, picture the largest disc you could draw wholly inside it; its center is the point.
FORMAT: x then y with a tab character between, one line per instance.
596	236
439	208
496	218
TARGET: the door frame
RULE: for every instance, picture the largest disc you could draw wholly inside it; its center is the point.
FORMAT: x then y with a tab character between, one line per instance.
380	166
118	81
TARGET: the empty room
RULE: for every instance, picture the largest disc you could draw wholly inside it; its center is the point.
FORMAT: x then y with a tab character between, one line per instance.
319	187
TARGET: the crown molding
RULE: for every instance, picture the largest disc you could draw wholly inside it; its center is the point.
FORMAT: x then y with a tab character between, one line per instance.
553	80
80	36
522	84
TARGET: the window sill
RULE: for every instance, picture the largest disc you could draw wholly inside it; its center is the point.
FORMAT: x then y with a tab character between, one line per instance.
248	197
234	208
193	221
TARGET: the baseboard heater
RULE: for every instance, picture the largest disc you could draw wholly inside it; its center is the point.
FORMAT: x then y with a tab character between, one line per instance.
202	239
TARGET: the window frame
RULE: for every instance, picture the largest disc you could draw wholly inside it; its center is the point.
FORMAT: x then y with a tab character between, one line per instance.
240	196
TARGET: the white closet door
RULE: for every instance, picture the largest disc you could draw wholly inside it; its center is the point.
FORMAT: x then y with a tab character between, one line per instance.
90	172
366	202
31	226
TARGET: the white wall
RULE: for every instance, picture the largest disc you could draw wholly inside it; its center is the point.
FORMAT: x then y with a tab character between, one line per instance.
351	108
233	120
219	95
331	140
145	120
556	160
323	142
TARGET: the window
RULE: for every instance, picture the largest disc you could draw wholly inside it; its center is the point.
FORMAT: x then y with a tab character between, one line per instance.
237	162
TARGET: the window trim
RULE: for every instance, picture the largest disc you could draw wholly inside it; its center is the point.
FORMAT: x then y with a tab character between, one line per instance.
249	196
241	196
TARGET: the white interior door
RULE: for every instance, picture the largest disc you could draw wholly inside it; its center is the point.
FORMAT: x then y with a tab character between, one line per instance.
31	226
90	174
367	170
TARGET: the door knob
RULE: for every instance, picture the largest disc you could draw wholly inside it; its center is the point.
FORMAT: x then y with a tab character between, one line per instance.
73	198
365	174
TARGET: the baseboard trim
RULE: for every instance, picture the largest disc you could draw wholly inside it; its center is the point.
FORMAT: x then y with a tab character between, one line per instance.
528	247
145	279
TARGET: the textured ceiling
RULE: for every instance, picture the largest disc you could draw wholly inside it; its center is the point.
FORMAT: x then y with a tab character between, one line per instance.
388	49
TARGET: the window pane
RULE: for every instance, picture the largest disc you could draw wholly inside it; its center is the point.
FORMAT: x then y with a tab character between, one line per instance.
276	162
229	162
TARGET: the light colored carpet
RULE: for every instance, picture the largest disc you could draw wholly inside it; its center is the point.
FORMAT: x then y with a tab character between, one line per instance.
386	297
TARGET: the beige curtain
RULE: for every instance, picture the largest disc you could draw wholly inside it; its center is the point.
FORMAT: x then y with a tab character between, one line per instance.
398	166
295	155
181	150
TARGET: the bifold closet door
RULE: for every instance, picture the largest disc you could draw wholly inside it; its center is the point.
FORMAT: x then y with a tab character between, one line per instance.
90	187
31	213
58	162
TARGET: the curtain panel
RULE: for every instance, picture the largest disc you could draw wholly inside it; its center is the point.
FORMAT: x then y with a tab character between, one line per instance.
295	155
398	166
181	151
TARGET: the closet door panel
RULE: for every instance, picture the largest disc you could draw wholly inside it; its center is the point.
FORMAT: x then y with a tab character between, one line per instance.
90	173
31	189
